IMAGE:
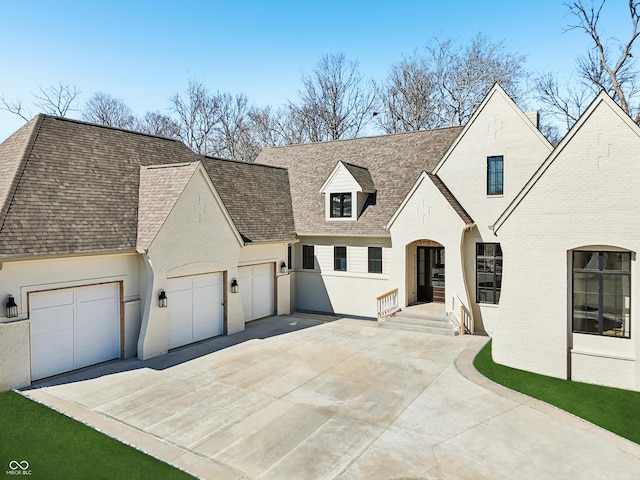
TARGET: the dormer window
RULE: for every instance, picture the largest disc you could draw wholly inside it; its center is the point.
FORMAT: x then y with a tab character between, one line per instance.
348	191
341	205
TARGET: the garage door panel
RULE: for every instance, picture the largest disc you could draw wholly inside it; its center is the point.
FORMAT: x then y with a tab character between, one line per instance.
257	290
195	308
73	327
53	298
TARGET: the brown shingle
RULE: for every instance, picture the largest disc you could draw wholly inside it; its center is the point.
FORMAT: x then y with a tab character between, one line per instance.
362	176
78	188
394	163
257	198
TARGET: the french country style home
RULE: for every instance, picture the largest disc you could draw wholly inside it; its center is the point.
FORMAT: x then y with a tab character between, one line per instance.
116	244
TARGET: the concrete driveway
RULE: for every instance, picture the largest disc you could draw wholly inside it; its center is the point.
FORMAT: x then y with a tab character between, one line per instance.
338	400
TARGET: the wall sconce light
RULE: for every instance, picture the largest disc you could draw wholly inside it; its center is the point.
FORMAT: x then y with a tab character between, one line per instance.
12	308
234	285
283	267
162	299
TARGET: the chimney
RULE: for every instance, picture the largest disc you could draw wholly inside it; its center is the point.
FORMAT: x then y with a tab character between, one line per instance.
534	117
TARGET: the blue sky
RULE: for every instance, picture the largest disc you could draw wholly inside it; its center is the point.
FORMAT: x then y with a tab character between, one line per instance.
145	51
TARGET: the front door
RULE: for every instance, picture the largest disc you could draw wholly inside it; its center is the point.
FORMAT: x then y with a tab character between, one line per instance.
430	273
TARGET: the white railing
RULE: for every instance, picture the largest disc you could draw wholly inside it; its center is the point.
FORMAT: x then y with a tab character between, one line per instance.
387	303
462	315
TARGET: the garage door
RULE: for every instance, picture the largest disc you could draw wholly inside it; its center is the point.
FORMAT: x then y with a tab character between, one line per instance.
255	283
73	328
195	308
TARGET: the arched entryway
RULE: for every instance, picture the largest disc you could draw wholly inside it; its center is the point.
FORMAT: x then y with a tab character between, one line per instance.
425	272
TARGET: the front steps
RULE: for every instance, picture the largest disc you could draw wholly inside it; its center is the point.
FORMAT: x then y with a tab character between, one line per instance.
428	318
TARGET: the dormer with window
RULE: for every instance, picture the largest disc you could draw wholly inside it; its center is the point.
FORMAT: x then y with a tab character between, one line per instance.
346	191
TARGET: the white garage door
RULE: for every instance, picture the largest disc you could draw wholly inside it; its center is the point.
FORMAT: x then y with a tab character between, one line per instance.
255	283
74	327
195	308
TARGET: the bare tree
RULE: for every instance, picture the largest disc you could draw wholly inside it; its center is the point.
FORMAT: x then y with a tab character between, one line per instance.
197	115
233	135
407	98
155	123
445	85
334	103
104	109
608	66
464	75
56	100
277	127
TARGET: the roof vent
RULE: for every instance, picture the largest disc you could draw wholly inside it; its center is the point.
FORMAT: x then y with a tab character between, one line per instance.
534	117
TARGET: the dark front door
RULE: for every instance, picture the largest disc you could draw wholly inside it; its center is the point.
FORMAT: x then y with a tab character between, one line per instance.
430	274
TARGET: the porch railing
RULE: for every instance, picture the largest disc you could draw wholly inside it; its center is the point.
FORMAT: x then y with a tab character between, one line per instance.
462	315
387	303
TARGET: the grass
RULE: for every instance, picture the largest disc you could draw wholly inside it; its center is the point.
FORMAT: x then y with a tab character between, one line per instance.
56	446
611	408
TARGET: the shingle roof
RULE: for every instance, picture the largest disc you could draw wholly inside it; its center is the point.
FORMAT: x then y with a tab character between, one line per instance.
257	198
362	176
160	188
446	193
394	162
77	188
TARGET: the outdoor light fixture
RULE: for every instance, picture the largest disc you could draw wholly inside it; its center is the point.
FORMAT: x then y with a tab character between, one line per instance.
162	299
283	267
12	308
234	285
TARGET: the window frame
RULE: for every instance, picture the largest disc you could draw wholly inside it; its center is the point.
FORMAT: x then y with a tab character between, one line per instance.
306	258
492	176
601	272
342	205
498	260
376	260
339	267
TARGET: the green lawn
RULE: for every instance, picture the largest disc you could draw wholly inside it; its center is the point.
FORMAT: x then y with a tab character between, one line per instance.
56	446
611	408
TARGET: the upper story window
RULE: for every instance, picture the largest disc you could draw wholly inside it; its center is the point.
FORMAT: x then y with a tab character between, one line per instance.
340	205
495	175
601	292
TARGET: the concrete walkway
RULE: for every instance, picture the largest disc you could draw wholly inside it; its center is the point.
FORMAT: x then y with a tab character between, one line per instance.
341	399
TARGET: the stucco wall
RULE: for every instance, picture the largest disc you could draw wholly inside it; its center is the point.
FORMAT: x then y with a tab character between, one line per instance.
583	200
23	277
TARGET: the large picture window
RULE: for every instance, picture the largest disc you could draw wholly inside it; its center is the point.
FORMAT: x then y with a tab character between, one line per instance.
308	257
495	175
340	205
340	258
375	259
488	272
601	292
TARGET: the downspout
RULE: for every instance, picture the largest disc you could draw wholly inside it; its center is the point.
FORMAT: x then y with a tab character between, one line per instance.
465	229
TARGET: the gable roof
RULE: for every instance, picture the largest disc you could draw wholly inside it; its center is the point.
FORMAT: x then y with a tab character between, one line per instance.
362	176
393	162
256	196
160	188
77	191
496	90
601	99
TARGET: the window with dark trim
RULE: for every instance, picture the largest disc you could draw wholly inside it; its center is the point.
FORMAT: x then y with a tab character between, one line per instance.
375	259
488	272
601	293
288	257
495	175
308	257
340	258
340	205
